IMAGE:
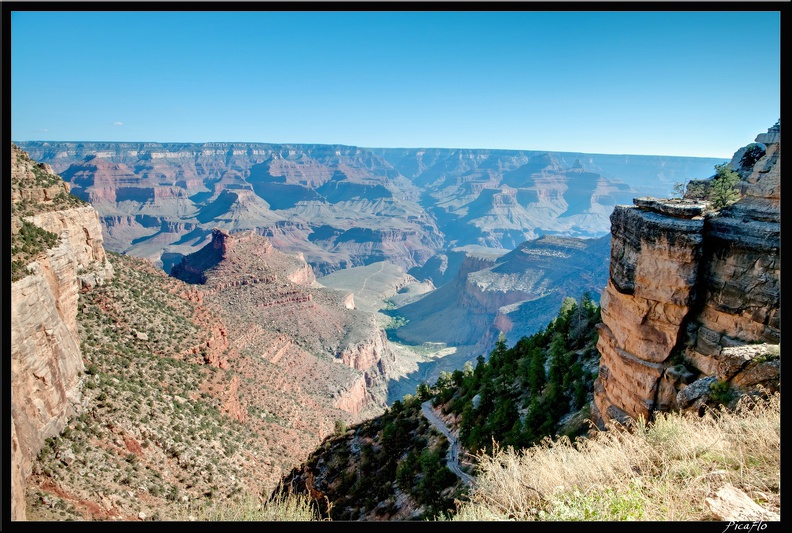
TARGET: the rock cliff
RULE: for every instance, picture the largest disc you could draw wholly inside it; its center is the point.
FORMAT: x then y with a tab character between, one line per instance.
46	362
691	311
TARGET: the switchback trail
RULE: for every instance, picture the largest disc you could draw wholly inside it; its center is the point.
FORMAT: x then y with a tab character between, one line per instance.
452	457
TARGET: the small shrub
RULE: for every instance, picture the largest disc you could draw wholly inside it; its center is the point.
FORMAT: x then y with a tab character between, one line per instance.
752	154
721	392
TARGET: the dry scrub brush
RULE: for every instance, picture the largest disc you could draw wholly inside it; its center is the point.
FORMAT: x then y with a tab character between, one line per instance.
659	471
249	508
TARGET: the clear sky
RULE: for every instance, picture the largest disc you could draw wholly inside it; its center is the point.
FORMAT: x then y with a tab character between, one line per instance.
668	83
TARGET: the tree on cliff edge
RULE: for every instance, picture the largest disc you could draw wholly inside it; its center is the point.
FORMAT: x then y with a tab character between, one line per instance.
722	191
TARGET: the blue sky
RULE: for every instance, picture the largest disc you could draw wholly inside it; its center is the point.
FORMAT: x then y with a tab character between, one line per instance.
667	83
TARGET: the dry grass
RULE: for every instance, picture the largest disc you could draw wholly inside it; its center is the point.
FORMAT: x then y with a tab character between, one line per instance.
284	508
661	471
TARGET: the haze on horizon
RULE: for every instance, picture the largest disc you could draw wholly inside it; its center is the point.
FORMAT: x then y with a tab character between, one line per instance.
674	83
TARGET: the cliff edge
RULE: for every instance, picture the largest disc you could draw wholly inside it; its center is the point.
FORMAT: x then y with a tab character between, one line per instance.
56	252
691	312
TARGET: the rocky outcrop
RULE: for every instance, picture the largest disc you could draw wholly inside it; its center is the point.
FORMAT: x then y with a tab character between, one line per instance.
365	355
729	503
46	362
354	398
693	298
276	309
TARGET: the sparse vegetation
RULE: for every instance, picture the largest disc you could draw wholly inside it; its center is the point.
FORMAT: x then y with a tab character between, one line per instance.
28	185
522	417
161	421
679	188
26	245
691	189
753	153
396	322
248	508
516	397
397	451
721	191
145	393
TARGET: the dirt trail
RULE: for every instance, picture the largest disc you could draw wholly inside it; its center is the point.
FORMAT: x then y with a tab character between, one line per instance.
363	287
452	457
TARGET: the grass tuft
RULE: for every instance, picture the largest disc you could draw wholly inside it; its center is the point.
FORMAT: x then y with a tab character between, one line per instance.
248	508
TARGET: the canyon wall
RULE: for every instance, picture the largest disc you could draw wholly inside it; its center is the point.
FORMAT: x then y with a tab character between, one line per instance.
346	206
46	362
692	304
514	293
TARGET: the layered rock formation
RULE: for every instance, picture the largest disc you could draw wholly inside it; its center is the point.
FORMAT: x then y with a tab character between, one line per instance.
339	205
515	293
693	299
46	362
277	309
344	206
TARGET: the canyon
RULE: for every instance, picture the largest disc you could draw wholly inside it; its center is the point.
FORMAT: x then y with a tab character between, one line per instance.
277	310
345	206
689	321
441	216
248	342
303	289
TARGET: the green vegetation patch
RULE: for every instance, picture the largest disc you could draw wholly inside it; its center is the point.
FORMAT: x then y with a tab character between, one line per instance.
26	245
520	394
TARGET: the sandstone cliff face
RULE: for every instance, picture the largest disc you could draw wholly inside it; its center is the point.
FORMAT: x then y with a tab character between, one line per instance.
46	362
692	295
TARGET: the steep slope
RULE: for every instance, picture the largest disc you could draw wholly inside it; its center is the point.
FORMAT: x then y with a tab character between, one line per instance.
175	416
182	406
692	290
271	300
399	466
136	396
445	265
56	251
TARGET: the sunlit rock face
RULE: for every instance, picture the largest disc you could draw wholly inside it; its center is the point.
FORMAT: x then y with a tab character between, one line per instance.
693	296
46	361
277	307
